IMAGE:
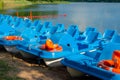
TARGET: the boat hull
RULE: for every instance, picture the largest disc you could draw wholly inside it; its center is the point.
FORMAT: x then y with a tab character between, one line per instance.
53	62
74	73
11	49
27	55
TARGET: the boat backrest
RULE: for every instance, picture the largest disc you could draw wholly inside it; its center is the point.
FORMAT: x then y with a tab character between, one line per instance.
41	29
48	24
108	34
91	37
36	23
44	28
116	38
107	52
58	28
73	30
88	29
29	24
29	35
61	27
53	29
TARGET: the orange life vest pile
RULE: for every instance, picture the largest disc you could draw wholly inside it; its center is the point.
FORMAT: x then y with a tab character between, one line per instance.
50	46
112	65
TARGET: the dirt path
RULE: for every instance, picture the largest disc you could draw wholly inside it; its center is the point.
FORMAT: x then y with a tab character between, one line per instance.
25	71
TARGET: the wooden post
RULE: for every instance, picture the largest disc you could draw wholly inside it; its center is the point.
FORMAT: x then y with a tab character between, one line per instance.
17	14
31	15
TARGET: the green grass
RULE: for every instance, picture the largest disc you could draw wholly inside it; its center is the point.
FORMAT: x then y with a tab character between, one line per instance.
4	69
1	4
7	4
22	2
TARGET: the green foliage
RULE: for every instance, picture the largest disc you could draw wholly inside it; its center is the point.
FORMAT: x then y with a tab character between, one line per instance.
79	0
46	0
1	4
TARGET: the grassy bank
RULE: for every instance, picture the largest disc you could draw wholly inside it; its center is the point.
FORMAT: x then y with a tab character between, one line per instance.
1	4
19	3
15	3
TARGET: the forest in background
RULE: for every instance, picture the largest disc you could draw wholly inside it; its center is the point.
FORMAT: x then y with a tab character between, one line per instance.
79	0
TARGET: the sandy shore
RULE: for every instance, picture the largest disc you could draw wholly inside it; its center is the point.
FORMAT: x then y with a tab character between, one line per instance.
32	71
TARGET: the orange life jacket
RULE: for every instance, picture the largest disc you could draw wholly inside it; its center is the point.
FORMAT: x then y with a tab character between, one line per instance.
112	65
50	46
13	38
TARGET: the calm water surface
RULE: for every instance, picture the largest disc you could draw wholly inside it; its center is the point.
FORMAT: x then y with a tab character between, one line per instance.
100	15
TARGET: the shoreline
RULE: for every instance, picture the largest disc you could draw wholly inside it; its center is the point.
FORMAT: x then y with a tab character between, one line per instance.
16	4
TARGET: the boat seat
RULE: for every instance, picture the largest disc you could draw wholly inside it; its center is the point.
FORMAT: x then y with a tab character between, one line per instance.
108	34
89	41
73	30
86	32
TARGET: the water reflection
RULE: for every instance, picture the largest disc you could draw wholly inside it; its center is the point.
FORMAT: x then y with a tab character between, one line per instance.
99	15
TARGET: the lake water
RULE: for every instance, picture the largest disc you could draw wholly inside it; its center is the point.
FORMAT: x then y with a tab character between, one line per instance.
100	15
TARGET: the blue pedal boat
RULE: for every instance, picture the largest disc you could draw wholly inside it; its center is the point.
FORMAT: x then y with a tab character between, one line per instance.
88	63
17	25
58	36
65	39
8	43
47	56
17	29
97	45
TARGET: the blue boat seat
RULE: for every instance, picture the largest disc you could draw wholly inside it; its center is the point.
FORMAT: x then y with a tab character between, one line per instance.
108	34
116	38
36	23
90	39
86	32
88	29
73	30
18	19
44	28
61	28
107	37
53	29
57	29
32	37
